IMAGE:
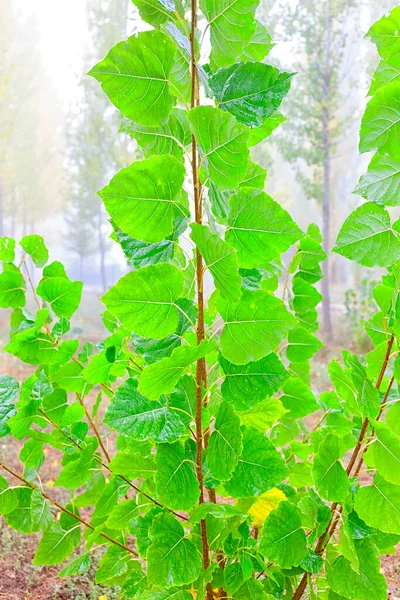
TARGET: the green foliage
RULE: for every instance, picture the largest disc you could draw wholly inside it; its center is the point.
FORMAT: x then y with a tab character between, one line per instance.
206	471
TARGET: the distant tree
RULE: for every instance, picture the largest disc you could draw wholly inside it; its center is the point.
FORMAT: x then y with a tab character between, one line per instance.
93	154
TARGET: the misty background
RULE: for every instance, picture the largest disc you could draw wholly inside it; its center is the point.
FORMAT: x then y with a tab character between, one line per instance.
59	142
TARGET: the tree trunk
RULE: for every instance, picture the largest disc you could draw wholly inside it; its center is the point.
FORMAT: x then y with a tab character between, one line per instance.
102	252
326	221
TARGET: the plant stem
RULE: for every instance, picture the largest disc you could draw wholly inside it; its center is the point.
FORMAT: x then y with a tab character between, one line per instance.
93	426
66	511
331	527
200	364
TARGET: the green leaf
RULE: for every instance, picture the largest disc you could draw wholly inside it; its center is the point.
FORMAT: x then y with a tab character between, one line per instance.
305	296
168	594
7	249
368	583
386	453
56	545
34	246
113	566
101	369
260	466
145	300
381	183
283	540
342	381
302	345
172	559
176	482
251	92
9	389
330	478
8	497
367	399
63	295
20	518
223	145
380	124
386	72
155	12
385	34
263	415
298	398
69	377
12	287
378	505
225	443
368	238
259	228
246	385
392	417
134	416
40	511
171	138
254	326
77	566
133	465
258	134
143	199
162	377
259	46
232	26
135	75
77	472
221	260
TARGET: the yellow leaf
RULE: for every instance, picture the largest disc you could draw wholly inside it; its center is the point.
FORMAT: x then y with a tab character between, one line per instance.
102	598
265	504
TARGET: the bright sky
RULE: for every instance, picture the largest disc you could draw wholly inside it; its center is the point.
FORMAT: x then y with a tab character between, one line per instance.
62	27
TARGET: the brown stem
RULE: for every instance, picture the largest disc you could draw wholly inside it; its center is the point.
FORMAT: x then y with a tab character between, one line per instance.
331	528
67	511
94	427
200	365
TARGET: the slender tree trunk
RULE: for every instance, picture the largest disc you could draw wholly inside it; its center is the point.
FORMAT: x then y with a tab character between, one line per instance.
326	207
102	251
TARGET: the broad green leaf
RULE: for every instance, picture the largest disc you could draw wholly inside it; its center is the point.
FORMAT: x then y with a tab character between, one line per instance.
368	583
298	398
32	454
168	594
368	238
155	12
263	415
123	514
250	91
7	249
172	559
258	134
171	138
302	345
223	145
144	198
143	254
342	381
56	545
69	377
162	377
40	511
386	72
283	540
176	482
386	453
135	76
77	472
8	497
259	228
63	295
77	566
12	287
20	518
219	511
35	348
246	385
378	505
225	443
232	26
380	124
305	296
259	46
392	417
330	477
254	326
385	34
134	416
133	465
34	246
145	300
100	369
367	399
9	389
381	183
113	566
260	466
221	260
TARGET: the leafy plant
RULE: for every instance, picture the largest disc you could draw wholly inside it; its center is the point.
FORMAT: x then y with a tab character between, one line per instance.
216	486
